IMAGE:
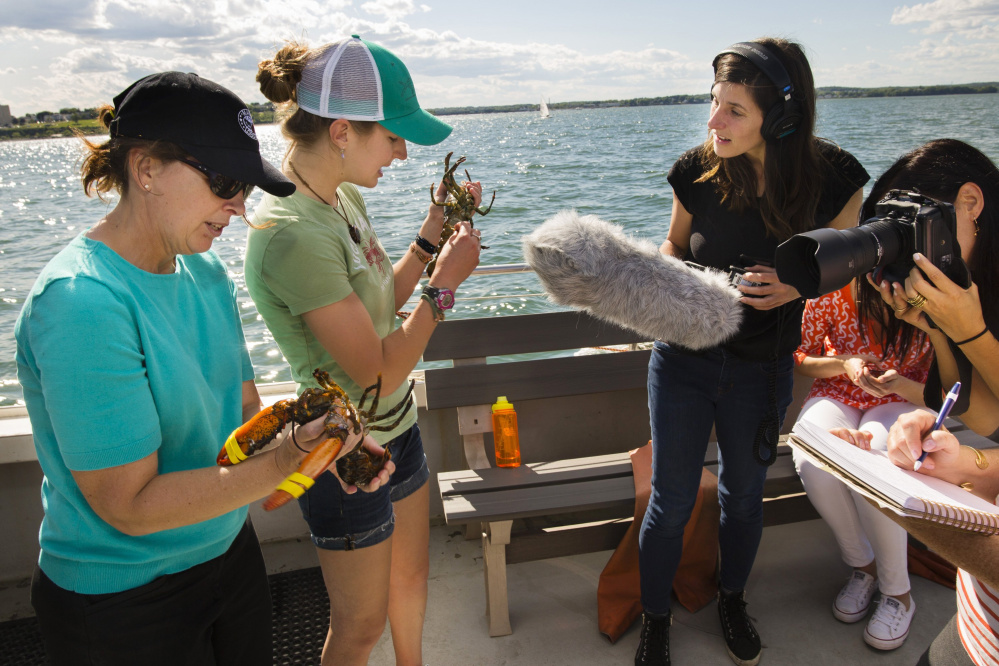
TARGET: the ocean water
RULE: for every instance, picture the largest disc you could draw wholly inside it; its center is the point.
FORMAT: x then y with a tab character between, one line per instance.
609	162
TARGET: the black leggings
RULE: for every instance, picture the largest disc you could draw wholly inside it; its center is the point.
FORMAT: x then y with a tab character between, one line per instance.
218	612
946	649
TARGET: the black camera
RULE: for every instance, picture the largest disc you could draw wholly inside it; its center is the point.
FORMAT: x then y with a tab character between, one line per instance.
822	261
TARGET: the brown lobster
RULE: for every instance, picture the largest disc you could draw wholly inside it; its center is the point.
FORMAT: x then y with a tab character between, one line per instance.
356	468
458	206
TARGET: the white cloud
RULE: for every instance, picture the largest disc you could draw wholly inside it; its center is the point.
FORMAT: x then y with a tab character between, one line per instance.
391	8
966	17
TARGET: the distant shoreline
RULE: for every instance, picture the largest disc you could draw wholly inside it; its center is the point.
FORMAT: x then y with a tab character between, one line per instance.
263	116
828	92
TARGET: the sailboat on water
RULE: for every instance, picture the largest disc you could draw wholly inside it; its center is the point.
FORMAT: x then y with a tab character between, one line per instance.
545	113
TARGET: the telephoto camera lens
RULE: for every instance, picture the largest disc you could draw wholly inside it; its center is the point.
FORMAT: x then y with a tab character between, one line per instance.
824	260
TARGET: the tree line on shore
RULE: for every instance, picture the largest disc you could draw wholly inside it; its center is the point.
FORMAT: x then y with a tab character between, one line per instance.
68	120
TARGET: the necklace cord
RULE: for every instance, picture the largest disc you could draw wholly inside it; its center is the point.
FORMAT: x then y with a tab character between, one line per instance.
352	230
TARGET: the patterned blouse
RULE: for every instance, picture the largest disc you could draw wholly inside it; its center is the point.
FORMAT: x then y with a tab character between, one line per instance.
830	327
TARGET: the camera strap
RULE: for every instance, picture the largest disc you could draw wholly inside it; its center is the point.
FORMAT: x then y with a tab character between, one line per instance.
768	432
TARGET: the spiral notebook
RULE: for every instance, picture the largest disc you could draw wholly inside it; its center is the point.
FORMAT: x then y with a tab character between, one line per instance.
906	493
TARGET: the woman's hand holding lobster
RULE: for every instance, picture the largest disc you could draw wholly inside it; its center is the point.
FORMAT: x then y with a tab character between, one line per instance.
292	450
459	257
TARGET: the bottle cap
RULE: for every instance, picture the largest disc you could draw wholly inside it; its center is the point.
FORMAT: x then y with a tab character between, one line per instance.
502	403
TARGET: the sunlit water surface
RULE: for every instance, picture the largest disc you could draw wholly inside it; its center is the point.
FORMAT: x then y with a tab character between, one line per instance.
609	162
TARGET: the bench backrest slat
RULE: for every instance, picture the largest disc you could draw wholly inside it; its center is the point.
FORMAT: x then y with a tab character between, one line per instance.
520	334
530	380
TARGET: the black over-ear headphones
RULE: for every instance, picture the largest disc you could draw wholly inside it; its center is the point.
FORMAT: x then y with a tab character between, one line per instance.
784	117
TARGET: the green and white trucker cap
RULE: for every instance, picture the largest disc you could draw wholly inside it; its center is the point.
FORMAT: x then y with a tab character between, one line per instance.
358	80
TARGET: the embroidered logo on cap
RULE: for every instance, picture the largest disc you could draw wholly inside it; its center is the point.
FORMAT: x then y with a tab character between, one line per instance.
246	123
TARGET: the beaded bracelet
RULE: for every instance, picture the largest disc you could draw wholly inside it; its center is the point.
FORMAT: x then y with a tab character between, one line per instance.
424	258
974	337
425	245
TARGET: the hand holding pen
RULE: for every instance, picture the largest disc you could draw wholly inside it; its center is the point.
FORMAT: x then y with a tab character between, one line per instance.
941	417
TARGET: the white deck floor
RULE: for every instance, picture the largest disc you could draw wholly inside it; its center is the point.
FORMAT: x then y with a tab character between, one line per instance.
553	610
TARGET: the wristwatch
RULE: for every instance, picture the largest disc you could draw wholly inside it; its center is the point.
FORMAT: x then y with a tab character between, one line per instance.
439	299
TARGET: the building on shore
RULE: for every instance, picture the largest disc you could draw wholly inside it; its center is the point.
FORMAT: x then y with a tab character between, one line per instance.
5	117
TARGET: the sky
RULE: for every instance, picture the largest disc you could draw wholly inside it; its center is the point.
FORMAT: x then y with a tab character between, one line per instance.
80	53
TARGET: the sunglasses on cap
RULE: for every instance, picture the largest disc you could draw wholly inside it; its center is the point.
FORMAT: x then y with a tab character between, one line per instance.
221	185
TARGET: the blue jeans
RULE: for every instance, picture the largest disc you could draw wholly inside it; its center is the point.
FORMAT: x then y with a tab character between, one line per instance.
688	393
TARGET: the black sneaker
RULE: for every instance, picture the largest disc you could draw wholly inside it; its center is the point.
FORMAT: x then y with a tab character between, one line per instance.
740	635
654	648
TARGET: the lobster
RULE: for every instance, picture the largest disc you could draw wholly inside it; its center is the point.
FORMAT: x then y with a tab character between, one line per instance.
356	468
458	206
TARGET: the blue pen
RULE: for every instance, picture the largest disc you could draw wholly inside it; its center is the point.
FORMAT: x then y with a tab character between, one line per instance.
944	411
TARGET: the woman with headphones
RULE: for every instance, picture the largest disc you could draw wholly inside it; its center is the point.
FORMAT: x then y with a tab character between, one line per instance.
761	177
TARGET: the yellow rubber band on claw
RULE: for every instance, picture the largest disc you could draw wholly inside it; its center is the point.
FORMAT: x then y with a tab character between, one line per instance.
296	484
232	450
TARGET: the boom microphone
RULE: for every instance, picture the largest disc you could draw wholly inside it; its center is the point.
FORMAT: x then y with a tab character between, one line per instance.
587	263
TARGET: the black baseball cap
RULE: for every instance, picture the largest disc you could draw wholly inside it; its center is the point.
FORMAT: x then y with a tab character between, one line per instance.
208	121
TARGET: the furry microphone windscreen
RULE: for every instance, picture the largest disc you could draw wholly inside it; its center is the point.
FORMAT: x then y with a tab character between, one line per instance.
587	263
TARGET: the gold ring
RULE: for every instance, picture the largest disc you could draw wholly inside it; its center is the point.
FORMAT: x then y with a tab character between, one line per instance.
900	310
917	302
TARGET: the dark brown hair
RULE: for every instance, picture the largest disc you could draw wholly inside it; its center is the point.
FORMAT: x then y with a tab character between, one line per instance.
938	169
105	166
278	79
791	168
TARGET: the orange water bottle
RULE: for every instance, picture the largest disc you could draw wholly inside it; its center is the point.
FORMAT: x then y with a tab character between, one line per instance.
505	434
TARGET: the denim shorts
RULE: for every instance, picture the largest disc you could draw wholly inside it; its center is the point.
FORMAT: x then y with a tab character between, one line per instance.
339	521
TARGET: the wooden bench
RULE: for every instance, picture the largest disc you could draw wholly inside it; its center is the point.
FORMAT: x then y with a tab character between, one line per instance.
562	500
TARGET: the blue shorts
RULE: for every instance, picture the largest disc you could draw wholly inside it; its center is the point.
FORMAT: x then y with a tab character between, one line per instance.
339	521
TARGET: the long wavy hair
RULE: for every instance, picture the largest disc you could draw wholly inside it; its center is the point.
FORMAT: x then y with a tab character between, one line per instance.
938	169
791	167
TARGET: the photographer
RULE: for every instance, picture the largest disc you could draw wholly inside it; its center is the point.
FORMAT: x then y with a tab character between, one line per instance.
761	177
965	348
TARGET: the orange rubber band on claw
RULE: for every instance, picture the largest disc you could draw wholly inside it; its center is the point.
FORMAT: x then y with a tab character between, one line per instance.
296	484
232	449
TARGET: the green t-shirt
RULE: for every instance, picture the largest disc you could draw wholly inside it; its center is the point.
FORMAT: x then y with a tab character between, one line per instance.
304	259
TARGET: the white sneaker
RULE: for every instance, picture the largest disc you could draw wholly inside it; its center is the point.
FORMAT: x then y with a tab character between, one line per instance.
889	626
854	599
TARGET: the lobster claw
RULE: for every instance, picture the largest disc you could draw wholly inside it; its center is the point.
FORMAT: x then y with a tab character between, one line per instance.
301	480
256	433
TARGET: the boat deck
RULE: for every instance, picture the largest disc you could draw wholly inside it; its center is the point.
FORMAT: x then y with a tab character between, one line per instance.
553	611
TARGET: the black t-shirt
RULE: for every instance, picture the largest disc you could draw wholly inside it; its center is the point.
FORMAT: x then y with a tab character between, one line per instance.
718	236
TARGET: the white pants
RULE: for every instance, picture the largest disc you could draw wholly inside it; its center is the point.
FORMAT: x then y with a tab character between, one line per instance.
863	533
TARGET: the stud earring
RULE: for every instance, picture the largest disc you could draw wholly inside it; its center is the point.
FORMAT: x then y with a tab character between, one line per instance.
146	186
